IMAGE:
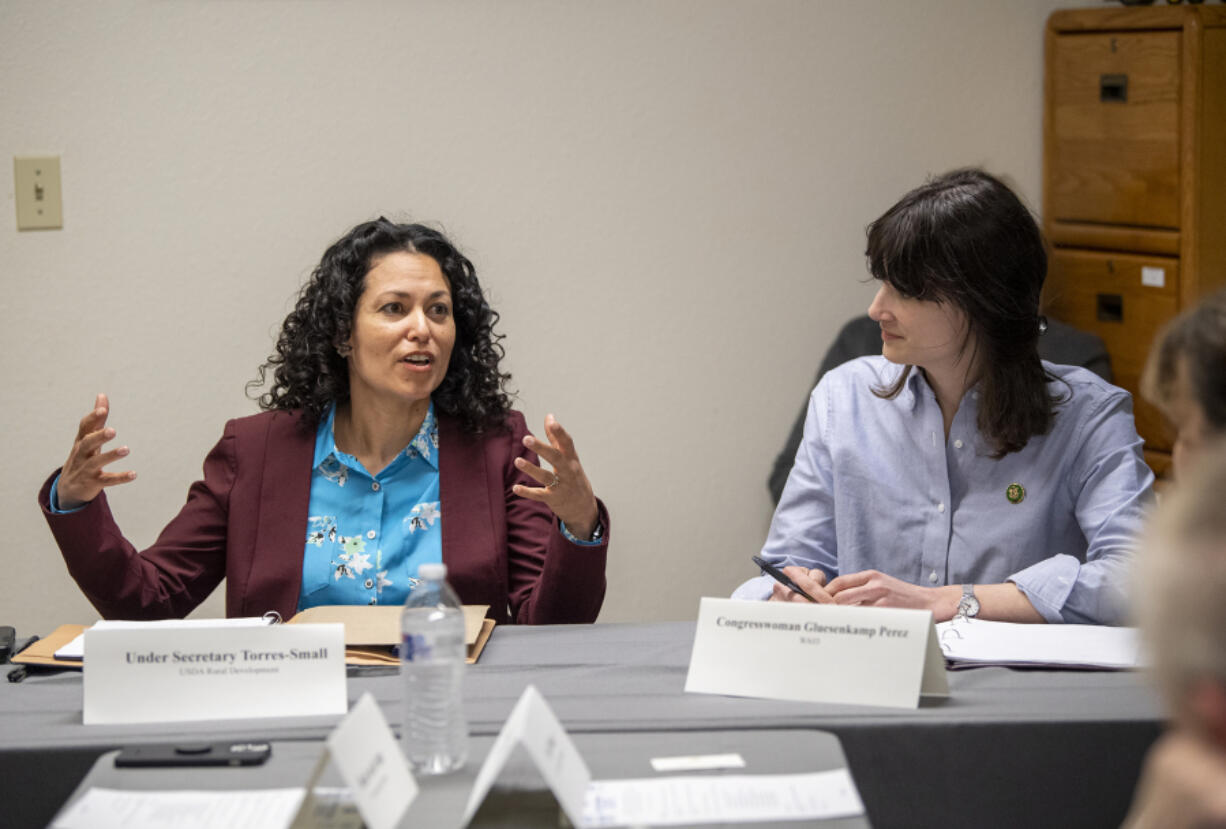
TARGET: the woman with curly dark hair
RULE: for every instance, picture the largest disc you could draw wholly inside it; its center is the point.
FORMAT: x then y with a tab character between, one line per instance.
387	441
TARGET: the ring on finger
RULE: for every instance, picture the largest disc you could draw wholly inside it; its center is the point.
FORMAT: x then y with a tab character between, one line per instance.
552	483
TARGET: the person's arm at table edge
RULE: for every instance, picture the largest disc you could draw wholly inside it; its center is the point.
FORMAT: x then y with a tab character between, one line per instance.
803	524
1112	489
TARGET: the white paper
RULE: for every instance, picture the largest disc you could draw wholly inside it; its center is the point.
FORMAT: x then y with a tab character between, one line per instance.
657	801
723	799
534	727
76	648
113	809
1153	277
371	763
816	653
159	674
1006	643
698	762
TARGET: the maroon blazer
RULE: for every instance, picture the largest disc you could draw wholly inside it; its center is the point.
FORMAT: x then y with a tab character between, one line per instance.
246	522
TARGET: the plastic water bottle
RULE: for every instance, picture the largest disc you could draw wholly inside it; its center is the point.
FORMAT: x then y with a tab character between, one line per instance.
432	652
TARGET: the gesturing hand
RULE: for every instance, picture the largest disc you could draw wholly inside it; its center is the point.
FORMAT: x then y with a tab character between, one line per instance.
83	475
566	490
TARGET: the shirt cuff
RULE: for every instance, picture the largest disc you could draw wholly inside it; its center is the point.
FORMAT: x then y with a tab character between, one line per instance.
1048	583
597	535
54	503
756	589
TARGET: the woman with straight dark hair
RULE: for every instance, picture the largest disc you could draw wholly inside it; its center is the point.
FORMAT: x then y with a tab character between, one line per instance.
387	442
958	472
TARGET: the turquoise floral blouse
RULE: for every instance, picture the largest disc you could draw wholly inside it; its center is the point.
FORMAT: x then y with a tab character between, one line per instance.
366	536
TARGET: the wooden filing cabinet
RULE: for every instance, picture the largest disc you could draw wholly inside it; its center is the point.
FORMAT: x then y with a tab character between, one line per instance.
1134	177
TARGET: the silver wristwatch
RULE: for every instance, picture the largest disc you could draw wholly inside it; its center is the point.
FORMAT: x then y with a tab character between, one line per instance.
968	605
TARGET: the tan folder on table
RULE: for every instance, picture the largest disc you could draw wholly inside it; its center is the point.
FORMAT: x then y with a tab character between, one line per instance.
372	632
43	651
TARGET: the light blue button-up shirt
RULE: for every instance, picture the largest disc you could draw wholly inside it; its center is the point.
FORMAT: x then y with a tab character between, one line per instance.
876	485
367	535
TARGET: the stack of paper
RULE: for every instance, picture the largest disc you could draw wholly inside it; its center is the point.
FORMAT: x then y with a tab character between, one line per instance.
969	643
371	633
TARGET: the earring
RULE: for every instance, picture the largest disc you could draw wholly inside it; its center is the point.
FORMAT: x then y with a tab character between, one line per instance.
344	349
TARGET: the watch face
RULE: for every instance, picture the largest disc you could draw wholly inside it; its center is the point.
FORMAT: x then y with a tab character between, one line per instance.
971	604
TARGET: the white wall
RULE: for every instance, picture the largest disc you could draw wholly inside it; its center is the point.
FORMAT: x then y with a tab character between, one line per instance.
665	200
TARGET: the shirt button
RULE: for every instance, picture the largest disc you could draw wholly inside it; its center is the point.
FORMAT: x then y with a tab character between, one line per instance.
375	486
941	507
371	533
369	583
933	577
957	444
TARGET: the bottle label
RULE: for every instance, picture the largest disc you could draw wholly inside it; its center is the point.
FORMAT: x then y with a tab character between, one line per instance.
415	648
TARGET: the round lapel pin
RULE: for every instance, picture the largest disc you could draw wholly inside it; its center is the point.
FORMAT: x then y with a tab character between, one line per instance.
1016	493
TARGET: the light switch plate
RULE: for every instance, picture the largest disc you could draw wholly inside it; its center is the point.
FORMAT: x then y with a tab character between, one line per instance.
36	183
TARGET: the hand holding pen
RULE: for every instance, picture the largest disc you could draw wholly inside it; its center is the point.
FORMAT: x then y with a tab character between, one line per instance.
795	584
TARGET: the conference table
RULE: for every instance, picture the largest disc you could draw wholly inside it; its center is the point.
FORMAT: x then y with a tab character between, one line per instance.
520	800
1008	747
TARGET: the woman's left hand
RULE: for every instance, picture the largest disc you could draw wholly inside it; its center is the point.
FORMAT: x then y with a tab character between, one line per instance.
869	587
566	490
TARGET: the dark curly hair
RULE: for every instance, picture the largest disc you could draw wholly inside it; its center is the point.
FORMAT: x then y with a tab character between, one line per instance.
966	239
310	375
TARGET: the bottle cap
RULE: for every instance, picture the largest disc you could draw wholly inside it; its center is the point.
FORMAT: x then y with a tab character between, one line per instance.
436	571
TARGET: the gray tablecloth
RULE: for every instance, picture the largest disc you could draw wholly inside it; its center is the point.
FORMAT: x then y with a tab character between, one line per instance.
1008	748
441	800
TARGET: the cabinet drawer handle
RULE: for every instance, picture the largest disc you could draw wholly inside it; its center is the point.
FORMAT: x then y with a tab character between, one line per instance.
1110	308
1113	89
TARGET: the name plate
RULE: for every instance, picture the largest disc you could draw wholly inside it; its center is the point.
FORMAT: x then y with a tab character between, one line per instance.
162	674
816	653
370	761
534	728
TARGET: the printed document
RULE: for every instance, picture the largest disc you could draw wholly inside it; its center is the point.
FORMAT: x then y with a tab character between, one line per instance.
730	798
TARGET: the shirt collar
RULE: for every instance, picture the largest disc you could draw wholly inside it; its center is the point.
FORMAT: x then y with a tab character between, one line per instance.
424	444
917	384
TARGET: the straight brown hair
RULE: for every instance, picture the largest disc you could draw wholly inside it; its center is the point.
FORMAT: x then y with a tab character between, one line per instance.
966	239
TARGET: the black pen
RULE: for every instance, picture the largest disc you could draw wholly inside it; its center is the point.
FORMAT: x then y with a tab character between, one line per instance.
781	577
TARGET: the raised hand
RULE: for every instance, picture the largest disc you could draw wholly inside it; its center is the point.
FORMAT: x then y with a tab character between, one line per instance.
84	475
566	489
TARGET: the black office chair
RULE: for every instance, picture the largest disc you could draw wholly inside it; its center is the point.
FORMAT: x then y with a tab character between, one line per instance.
1060	343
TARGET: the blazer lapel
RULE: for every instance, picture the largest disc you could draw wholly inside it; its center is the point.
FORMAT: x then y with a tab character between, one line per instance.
470	548
280	539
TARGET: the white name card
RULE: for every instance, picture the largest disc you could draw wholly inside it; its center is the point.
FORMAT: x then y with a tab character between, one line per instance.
372	765
160	674
816	653
533	727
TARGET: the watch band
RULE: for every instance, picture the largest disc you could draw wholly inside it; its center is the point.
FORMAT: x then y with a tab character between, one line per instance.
968	605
